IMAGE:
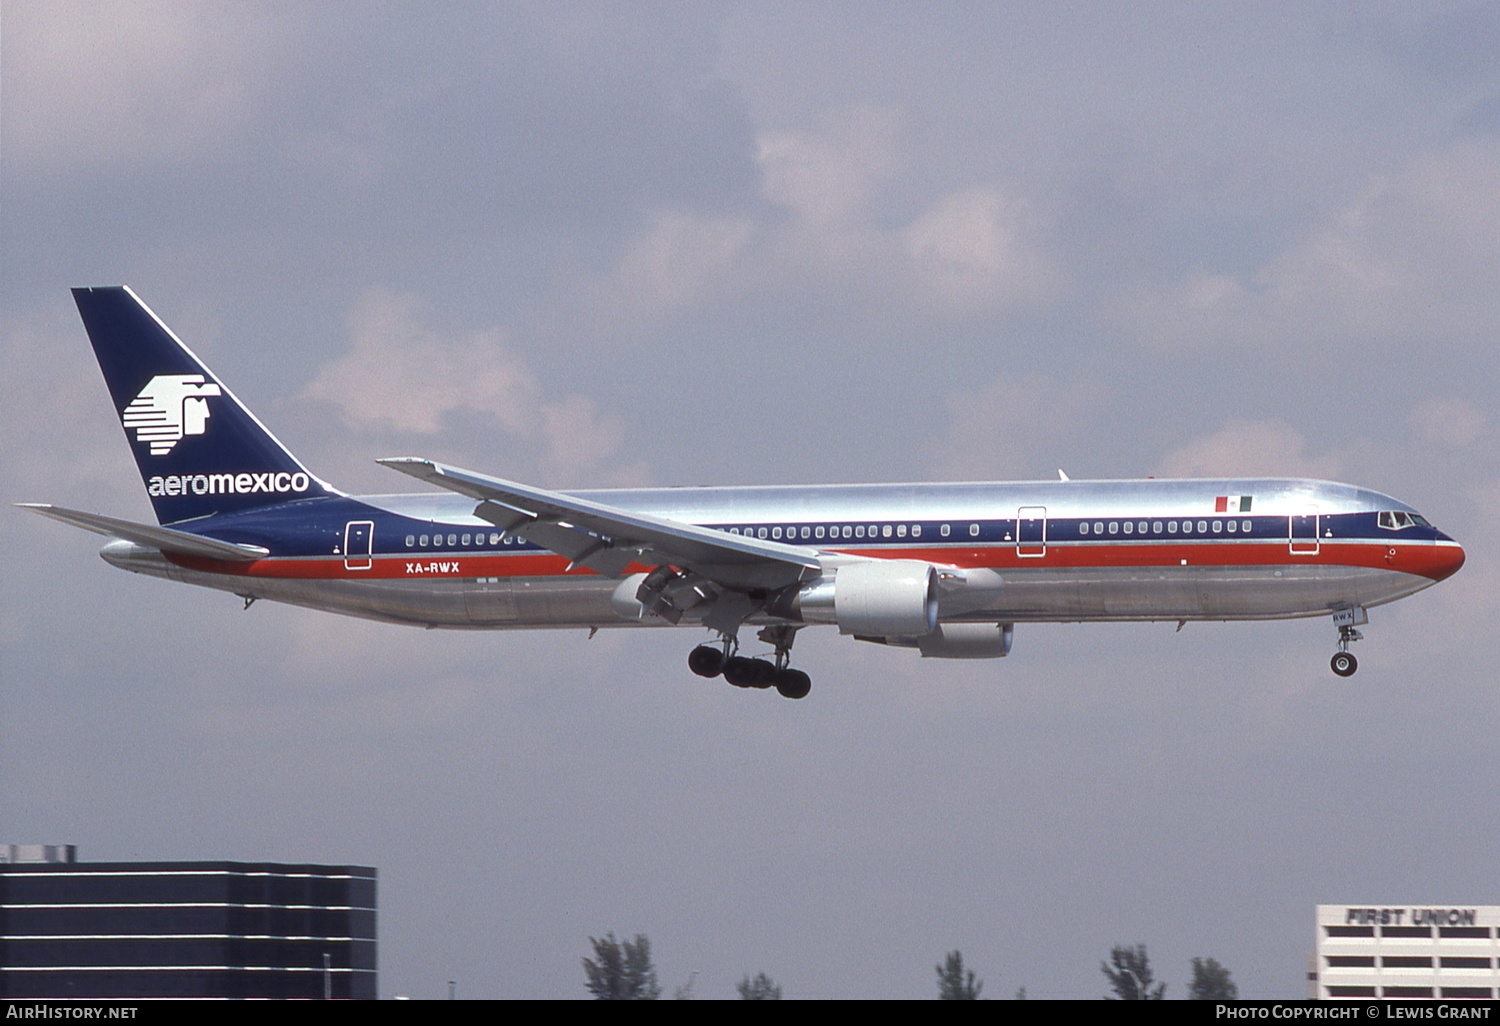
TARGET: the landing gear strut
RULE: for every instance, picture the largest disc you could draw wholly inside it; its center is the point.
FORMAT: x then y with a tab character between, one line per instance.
710	660
1343	662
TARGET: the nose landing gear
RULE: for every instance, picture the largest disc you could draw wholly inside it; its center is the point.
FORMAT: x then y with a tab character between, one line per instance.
1343	662
709	660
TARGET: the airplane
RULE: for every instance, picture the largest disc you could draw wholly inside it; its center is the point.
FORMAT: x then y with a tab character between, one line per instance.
944	569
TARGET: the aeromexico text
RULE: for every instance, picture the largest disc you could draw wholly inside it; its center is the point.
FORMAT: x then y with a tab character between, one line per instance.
1418	916
228	484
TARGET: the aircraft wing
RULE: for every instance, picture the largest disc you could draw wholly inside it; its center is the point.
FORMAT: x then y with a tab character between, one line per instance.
607	539
164	538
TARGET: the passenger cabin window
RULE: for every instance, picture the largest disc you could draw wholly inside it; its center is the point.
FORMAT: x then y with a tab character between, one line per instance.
973	530
943	530
1083	528
916	530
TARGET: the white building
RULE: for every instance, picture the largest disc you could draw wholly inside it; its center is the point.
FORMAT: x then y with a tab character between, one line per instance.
1408	951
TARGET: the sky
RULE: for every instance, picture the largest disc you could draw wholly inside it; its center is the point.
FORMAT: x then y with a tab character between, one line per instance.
590	244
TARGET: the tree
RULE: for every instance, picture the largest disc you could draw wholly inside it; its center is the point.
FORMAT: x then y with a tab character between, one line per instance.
762	988
1211	982
1131	976
953	985
623	970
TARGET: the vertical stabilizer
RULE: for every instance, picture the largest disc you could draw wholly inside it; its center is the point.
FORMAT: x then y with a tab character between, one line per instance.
199	450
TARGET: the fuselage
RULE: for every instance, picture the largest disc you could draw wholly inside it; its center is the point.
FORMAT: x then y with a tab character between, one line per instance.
1024	551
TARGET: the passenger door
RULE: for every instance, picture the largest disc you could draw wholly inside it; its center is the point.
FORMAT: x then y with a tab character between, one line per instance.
359	537
1031	531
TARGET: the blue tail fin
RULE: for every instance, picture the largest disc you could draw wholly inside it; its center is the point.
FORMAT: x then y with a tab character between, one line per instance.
199	450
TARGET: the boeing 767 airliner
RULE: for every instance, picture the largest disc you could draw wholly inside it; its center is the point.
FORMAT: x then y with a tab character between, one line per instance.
946	569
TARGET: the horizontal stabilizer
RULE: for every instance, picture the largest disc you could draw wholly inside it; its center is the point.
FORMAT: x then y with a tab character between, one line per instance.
164	538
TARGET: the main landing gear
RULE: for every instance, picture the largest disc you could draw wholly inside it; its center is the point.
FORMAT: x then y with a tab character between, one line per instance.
711	661
1346	620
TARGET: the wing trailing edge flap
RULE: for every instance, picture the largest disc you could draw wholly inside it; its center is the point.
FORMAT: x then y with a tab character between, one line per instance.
607	539
166	539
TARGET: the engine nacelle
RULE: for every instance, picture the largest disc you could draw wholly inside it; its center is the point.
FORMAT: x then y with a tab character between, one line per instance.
958	641
895	598
968	641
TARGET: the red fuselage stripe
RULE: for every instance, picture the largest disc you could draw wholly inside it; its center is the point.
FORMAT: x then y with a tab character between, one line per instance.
1435	561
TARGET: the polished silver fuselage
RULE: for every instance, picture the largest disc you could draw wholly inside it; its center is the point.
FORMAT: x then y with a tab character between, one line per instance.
1022	551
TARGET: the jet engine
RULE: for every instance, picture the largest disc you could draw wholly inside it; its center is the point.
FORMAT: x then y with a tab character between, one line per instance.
889	598
957	641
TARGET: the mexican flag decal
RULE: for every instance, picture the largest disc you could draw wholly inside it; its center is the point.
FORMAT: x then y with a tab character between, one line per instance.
1232	504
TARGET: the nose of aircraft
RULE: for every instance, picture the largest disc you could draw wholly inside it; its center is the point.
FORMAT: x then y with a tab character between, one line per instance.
1447	557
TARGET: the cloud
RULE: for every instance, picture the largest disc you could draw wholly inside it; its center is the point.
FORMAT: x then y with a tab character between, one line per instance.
1415	257
1451	421
971	250
1008	428
139	83
401	378
1249	448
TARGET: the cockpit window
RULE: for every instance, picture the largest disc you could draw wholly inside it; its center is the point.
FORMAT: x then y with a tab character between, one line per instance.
1395	520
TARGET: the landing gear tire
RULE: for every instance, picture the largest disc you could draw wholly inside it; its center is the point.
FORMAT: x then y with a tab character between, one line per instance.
706	661
745	673
765	674
1344	664
793	683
